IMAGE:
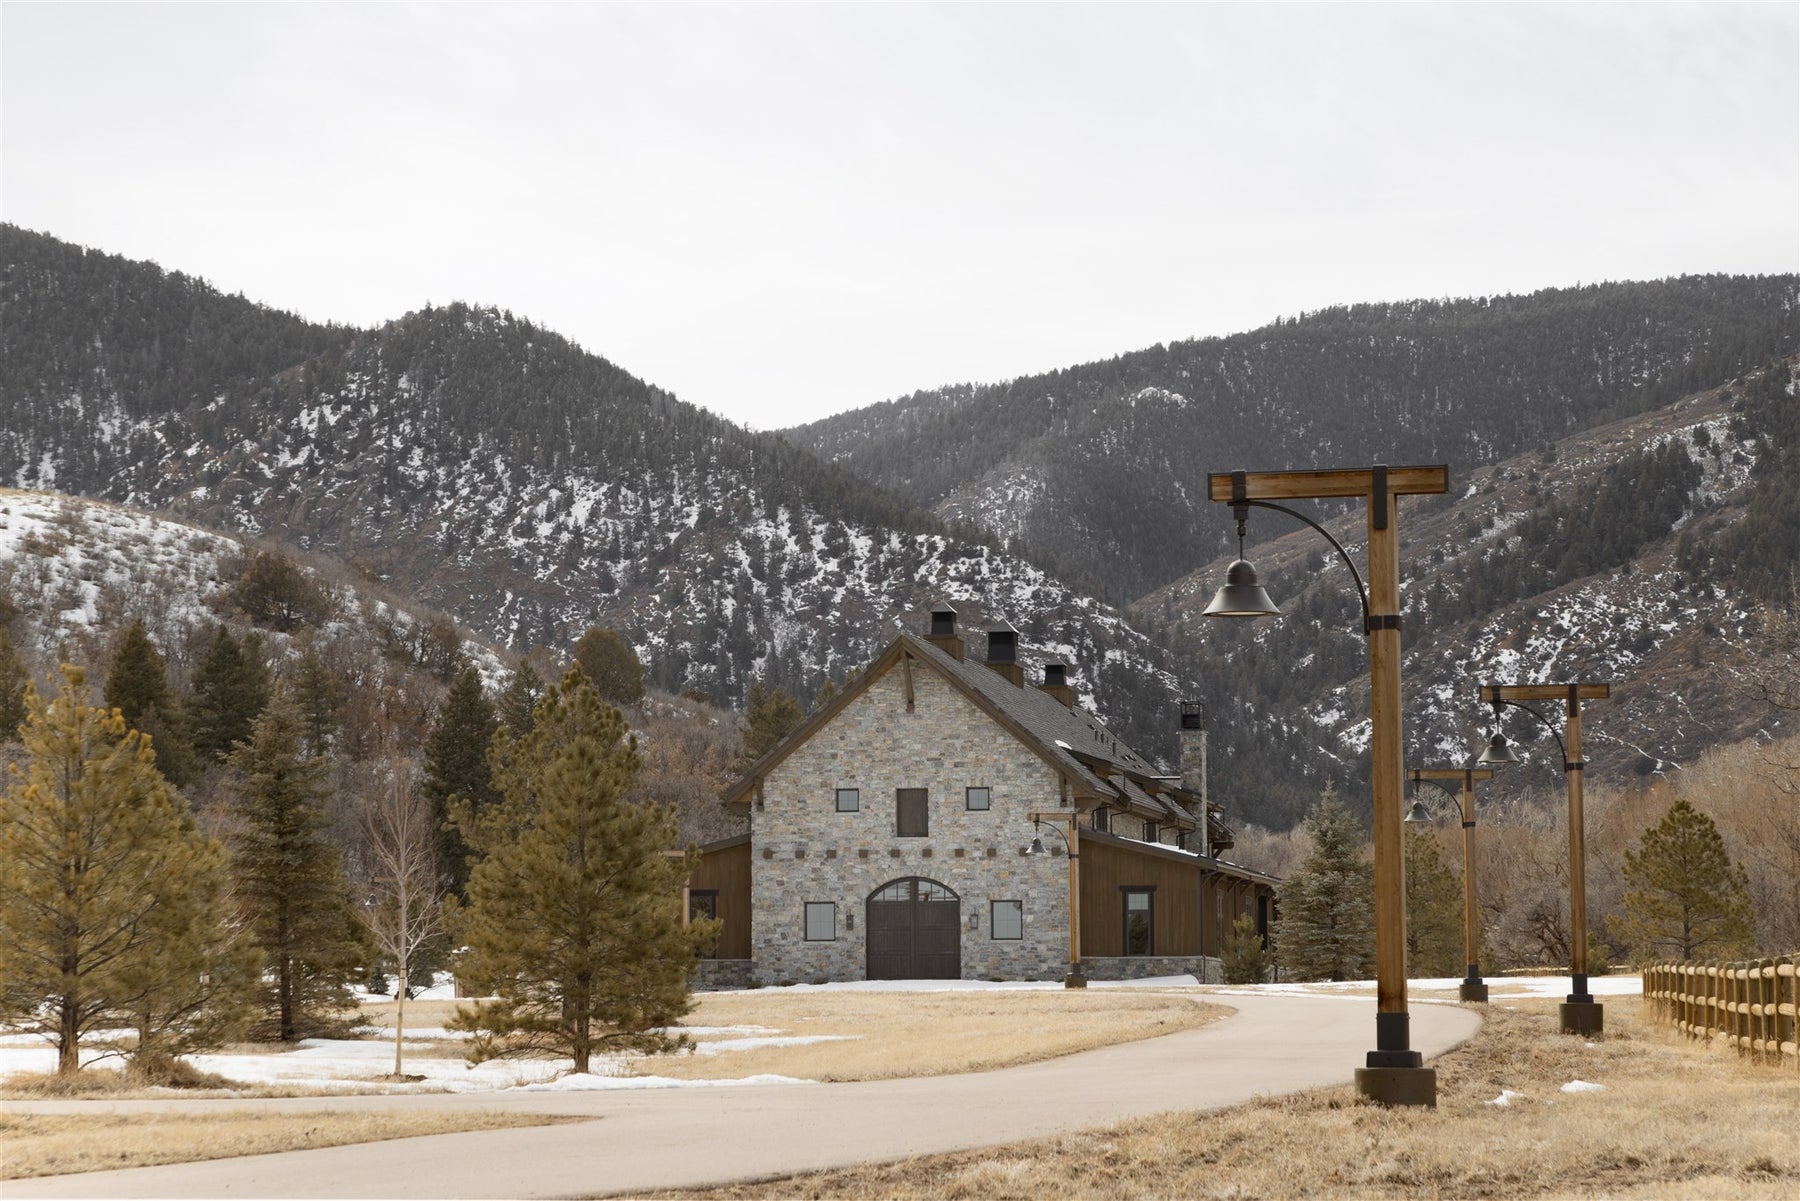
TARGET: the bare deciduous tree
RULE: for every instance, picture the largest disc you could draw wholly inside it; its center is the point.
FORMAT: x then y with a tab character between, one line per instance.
405	907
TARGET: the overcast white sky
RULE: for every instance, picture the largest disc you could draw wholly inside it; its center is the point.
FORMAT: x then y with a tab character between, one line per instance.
780	212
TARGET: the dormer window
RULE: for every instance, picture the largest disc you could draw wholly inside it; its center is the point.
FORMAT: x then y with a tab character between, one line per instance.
1101	822
1151	832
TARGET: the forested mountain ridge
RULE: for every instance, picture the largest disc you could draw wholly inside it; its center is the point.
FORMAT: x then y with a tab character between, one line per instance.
1098	470
1641	552
495	470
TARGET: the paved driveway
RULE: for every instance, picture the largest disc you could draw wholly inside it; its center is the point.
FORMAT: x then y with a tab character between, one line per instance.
651	1139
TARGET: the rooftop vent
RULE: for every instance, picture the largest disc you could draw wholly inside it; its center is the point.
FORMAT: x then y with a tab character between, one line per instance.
1003	653
943	632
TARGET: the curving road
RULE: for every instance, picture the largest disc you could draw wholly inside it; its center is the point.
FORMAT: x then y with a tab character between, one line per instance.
686	1137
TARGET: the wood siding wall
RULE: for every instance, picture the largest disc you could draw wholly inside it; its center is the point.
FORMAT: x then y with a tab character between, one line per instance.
1191	906
1174	906
727	870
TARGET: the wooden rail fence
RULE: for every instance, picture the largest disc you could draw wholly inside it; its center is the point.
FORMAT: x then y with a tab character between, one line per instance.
1754	1005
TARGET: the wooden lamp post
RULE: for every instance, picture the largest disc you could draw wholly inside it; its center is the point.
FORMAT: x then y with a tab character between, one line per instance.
1473	988
1395	1073
1580	1014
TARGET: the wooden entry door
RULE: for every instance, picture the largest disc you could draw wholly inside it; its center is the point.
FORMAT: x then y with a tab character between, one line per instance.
915	931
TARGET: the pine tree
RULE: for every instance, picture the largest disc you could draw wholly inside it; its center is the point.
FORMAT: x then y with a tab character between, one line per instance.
275	592
520	698
289	879
1434	912
1327	927
15	683
574	919
611	665
231	688
456	766
1684	897
137	685
318	695
107	889
1244	959
771	716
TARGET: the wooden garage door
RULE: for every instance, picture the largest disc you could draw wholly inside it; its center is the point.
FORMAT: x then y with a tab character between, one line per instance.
915	931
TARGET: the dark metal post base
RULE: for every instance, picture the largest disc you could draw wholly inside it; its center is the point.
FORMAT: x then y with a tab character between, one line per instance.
1472	990
1075	980
1397	1086
1582	1017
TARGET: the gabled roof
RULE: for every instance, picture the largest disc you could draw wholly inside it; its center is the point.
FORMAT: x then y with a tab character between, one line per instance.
1100	769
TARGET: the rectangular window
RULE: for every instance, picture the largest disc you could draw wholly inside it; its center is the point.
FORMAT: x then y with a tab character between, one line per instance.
821	921
1140	921
849	800
1100	820
703	905
911	817
1006	919
1151	832
977	799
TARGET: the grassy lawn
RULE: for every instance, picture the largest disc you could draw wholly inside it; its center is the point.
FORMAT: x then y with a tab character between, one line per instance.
1675	1120
53	1144
883	1035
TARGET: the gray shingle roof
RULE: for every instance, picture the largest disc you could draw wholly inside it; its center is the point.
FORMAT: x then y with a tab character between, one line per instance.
1090	753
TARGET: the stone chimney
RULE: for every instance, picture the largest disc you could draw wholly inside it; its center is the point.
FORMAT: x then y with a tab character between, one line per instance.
1003	652
943	633
1193	765
1056	683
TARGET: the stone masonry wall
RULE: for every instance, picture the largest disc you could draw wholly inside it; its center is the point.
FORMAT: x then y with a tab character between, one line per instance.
1144	967
804	850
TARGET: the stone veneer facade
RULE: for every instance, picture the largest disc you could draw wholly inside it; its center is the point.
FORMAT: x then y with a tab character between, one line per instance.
805	850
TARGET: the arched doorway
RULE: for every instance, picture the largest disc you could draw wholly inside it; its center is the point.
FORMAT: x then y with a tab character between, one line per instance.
914	931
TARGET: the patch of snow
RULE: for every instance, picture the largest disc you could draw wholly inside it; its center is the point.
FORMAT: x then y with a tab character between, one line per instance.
583	1082
1582	1086
1507	1097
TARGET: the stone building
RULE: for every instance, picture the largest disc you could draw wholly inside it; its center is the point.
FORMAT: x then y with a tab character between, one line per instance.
891	836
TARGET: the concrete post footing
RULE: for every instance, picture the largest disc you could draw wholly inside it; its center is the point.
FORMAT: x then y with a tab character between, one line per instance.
1397	1086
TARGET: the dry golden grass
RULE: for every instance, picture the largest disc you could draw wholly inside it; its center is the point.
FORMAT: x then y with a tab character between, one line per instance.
891	1034
1676	1120
53	1144
885	1035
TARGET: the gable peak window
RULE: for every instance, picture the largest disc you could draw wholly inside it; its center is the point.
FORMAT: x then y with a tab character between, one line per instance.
912	813
978	799
849	800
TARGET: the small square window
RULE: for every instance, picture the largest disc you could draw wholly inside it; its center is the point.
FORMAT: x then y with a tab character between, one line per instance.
849	800
1007	919
978	798
821	921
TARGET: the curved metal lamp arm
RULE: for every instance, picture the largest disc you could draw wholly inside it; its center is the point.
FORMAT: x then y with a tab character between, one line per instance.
1040	825
1543	721
1451	788
1240	511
